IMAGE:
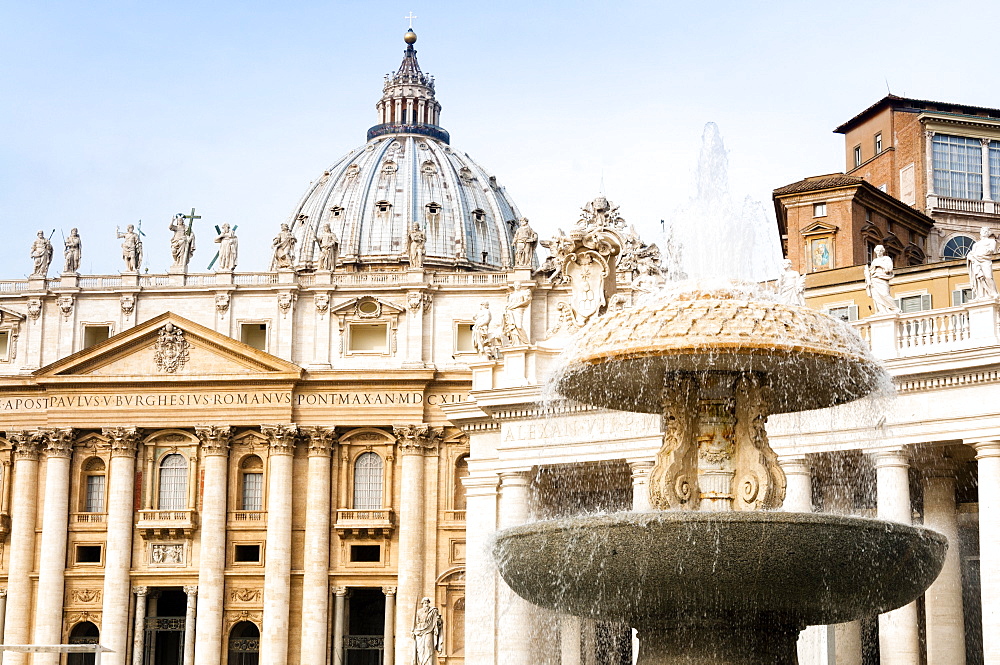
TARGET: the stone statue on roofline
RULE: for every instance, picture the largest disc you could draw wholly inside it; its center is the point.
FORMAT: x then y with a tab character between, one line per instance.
131	248
228	249
980	263
182	242
877	276
525	241
329	245
41	255
72	249
416	246
283	245
791	285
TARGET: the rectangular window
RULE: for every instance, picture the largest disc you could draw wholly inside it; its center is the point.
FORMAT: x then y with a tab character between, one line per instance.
246	554
916	303
88	553
994	156
4	345
844	313
819	209
366	553
252	495
369	337
463	338
958	166
94	500
960	296
857	156
95	335
878	143
254	334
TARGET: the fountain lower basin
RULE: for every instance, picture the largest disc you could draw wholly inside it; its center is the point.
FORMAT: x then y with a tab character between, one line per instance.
719	588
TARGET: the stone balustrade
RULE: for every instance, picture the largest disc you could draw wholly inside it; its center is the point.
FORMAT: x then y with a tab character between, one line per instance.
961	328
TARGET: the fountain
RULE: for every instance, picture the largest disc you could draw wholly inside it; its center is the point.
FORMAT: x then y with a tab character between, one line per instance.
713	575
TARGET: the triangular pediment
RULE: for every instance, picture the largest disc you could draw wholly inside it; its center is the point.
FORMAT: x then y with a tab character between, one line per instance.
819	228
7	314
169	348
367	307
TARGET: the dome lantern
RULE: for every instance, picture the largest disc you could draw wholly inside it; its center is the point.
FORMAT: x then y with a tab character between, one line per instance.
408	105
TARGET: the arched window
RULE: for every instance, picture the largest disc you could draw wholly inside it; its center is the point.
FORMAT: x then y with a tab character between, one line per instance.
461	471
252	483
957	247
93	485
84	632
244	644
368	482
173	483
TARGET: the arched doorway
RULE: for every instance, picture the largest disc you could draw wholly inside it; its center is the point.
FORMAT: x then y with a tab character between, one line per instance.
244	644
84	632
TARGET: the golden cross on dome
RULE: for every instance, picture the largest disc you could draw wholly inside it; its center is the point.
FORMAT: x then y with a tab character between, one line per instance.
410	19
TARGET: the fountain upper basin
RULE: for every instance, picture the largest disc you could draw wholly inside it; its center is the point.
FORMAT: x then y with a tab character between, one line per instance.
624	356
644	567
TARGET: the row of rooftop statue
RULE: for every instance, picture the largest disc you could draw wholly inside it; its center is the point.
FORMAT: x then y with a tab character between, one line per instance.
182	247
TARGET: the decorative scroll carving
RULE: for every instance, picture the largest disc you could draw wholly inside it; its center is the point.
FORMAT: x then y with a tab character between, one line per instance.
222	302
245	595
127	303
65	304
233	618
281	438
215	439
416	301
171	349
322	301
86	596
122	440
73	618
285	301
320	439
34	308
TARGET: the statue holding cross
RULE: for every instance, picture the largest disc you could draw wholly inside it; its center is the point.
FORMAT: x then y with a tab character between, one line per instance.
182	242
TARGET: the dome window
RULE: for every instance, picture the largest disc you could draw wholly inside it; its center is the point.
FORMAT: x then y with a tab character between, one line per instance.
352	171
428	168
382	207
389	168
336	211
479	216
465	173
433	208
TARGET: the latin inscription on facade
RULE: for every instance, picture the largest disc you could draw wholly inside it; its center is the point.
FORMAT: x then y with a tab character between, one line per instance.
591	427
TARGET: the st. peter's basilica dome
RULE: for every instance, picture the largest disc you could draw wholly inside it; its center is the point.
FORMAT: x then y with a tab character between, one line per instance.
408	173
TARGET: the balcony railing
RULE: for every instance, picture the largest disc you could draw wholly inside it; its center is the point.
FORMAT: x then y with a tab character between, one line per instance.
248	517
959	328
156	524
352	522
454	516
90	518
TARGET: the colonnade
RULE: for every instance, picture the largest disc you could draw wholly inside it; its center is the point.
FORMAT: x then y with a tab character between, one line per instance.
943	612
123	611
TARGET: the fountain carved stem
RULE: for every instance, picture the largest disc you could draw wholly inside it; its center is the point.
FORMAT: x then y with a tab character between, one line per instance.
715	454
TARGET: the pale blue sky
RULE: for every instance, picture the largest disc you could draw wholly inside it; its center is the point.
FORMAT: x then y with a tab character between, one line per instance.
119	111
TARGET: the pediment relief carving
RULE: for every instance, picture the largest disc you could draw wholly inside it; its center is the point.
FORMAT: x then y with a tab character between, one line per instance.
820	228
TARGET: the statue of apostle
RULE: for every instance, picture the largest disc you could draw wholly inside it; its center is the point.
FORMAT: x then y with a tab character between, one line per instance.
72	248
131	248
525	240
877	276
41	254
284	249
428	633
416	246
228	247
980	263
328	248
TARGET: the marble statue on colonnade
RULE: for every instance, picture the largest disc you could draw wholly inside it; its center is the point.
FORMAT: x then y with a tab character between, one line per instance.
72	249
980	263
41	255
329	247
131	248
228	249
791	285
284	249
877	276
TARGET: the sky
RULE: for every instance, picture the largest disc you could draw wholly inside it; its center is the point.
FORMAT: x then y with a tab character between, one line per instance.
119	111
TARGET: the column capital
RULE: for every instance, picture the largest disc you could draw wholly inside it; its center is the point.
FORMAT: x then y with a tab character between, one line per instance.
514	479
191	590
340	591
27	445
898	457
320	440
796	464
417	439
641	467
281	438
123	440
140	590
389	590
985	447
215	439
929	133
59	442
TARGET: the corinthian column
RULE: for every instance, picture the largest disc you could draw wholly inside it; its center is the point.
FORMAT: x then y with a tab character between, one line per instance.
52	554
389	629
899	641
414	441
190	622
278	549
24	510
316	576
211	573
139	632
118	551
